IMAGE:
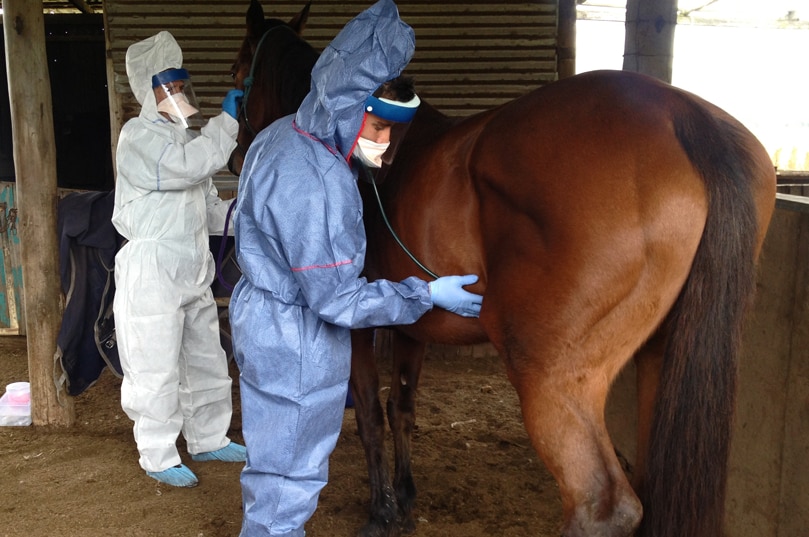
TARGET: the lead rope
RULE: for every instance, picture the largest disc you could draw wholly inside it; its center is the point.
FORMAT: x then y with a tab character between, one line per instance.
372	180
221	255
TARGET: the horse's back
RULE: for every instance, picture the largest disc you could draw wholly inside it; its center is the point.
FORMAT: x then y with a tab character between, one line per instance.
610	128
603	168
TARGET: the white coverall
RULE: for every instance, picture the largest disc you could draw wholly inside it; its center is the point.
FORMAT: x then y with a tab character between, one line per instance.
175	370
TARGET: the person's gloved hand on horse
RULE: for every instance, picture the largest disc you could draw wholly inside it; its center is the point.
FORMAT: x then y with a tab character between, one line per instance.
447	292
232	101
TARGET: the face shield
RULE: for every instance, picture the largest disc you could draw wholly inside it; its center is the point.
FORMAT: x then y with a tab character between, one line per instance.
400	113
175	97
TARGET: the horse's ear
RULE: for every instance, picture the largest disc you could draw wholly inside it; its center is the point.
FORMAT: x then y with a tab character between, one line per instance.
298	22
255	20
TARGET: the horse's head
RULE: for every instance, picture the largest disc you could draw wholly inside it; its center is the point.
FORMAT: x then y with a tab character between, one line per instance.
272	67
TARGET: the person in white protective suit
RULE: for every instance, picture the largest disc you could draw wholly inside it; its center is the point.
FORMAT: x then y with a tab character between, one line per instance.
301	247
175	370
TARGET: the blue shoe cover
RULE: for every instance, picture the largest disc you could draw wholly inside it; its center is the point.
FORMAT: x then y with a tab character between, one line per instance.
176	476
232	452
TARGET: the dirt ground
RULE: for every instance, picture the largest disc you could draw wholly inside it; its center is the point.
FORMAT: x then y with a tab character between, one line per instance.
476	473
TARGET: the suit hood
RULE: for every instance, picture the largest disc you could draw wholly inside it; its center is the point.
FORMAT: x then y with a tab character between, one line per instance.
371	49
145	59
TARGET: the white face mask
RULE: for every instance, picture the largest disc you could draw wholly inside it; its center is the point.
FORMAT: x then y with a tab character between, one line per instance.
370	153
176	105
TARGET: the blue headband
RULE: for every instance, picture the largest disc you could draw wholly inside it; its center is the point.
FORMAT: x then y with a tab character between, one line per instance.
392	110
169	75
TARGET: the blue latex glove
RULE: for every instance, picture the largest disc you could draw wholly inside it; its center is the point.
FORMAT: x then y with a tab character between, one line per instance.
232	101
447	292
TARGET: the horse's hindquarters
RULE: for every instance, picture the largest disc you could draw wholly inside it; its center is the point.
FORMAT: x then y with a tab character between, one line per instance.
590	226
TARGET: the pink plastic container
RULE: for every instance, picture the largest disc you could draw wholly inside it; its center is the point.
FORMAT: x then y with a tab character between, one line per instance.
18	393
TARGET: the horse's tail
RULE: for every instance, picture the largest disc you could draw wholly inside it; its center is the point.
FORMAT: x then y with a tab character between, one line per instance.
684	491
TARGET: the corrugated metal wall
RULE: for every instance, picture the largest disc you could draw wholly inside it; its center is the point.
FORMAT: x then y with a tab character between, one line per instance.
470	55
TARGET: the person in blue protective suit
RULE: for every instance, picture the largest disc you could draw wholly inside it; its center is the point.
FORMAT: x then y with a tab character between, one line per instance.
300	243
175	370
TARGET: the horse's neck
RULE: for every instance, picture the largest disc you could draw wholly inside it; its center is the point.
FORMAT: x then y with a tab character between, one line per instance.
433	115
429	123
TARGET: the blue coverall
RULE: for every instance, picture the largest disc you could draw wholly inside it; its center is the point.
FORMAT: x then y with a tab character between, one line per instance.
300	243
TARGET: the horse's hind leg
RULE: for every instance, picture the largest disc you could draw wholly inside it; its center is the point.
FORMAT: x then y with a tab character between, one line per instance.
648	363
371	427
563	413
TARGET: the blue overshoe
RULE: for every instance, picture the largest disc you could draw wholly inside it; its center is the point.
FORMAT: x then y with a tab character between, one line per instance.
176	476
232	452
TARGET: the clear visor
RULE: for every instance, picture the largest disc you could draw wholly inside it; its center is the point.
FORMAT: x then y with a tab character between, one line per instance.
176	99
401	114
397	134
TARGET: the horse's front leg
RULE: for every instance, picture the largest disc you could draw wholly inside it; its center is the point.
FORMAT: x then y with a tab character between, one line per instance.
371	428
408	356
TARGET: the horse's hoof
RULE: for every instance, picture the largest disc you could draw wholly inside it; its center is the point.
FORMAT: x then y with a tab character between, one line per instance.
407	525
375	529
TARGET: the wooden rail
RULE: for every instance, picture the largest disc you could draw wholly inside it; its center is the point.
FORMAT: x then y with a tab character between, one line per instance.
791	202
792	178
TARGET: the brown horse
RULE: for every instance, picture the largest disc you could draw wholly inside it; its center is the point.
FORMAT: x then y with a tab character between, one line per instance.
609	216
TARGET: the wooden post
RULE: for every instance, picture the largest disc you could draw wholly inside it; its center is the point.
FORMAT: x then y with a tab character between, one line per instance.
114	97
566	39
35	164
649	42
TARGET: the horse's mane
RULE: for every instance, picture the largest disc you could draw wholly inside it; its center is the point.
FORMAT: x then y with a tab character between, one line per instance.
286	66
